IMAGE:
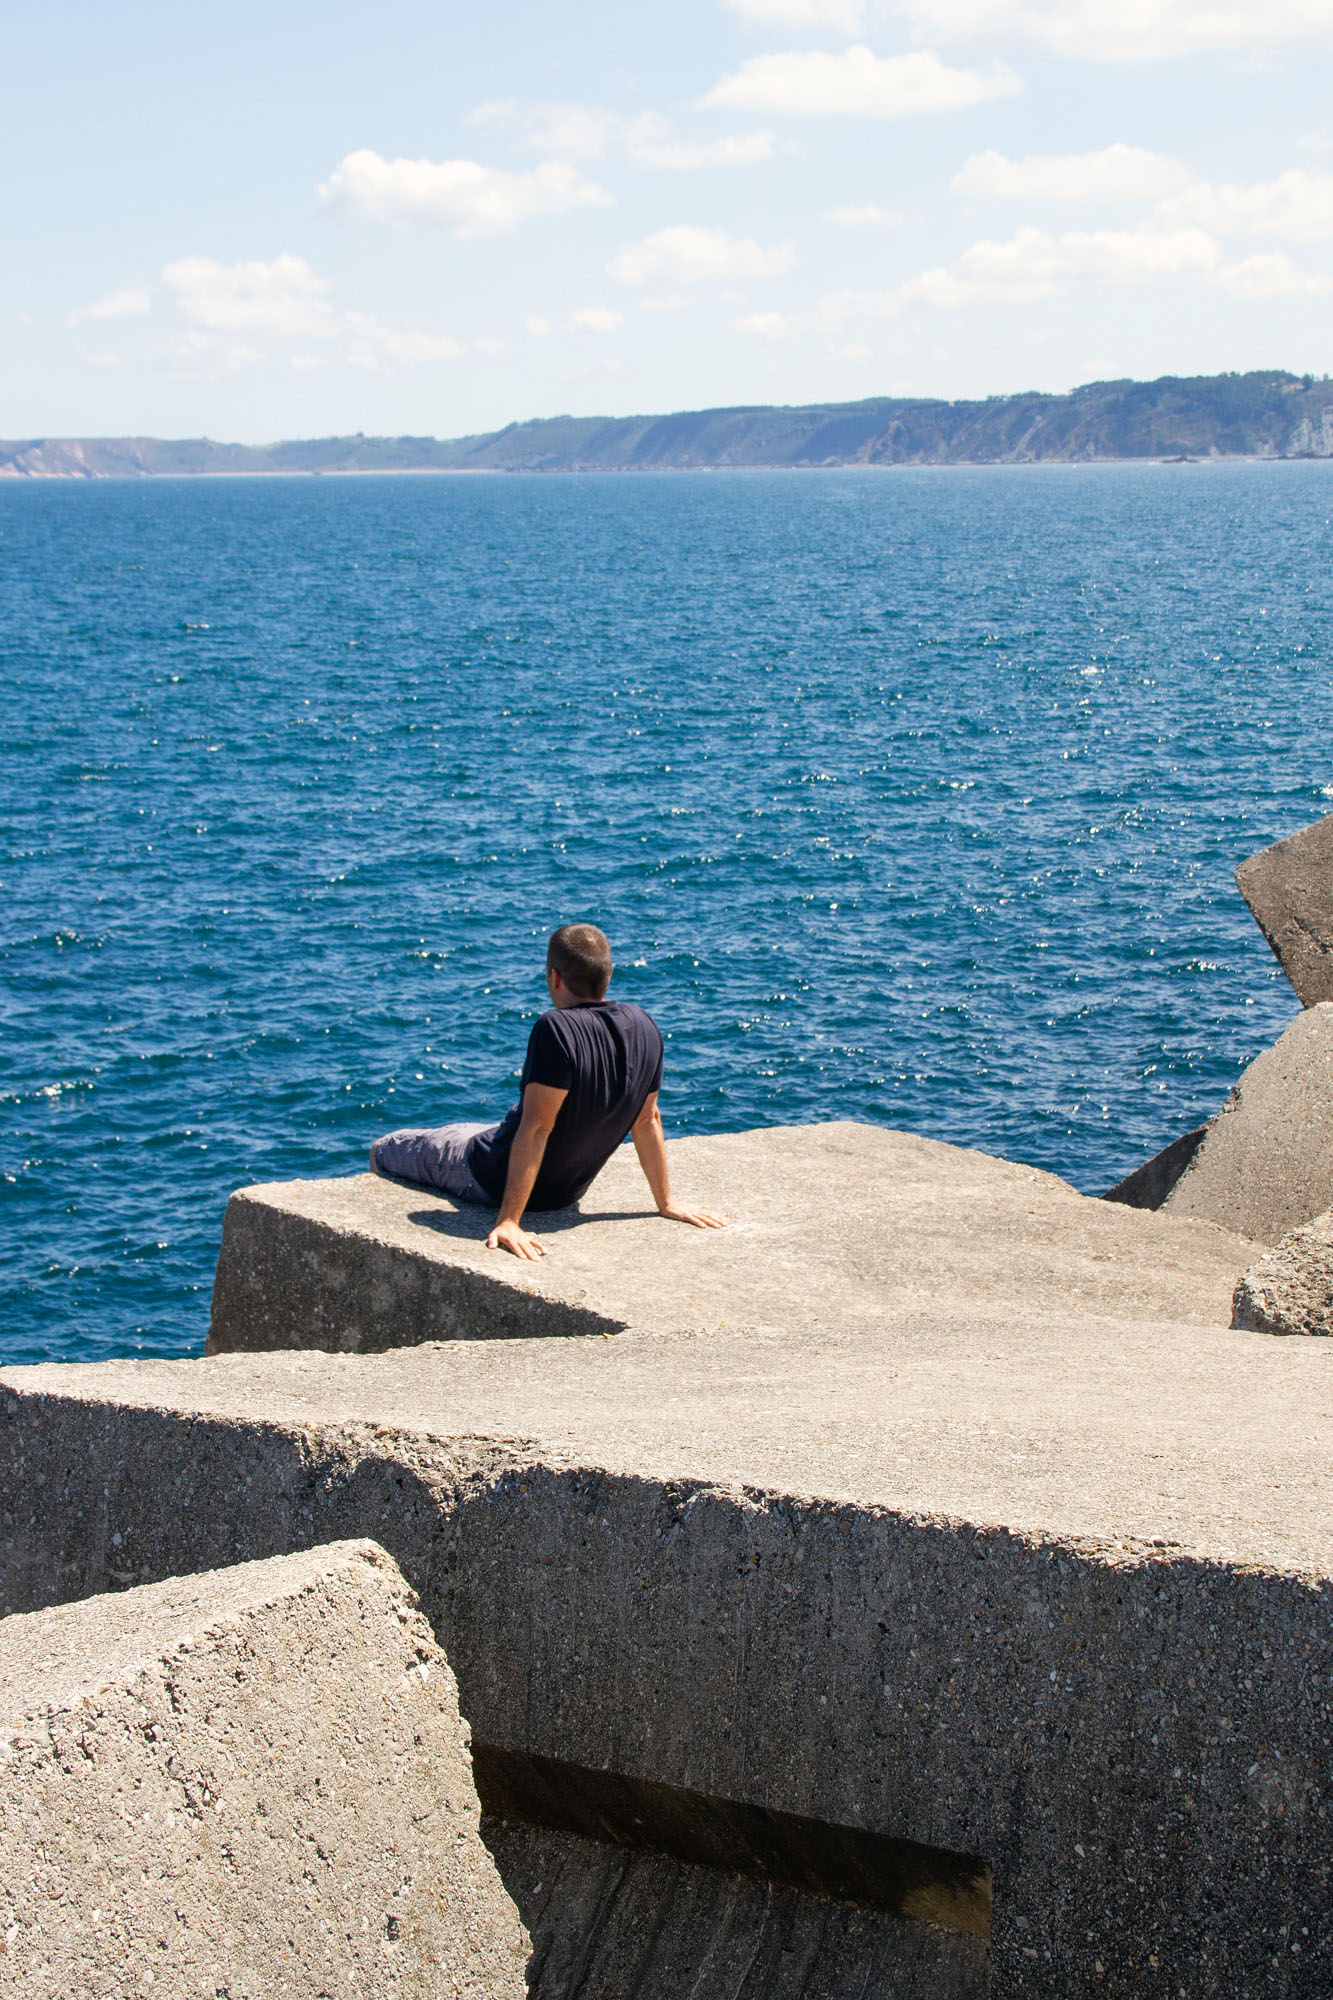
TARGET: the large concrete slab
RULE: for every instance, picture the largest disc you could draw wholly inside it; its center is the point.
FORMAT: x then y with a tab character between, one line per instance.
1266	1163
923	1574
1055	1597
1289	889
249	1783
839	1221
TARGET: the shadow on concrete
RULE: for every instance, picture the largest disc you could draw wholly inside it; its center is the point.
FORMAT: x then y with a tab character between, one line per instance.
474	1225
608	1921
846	1864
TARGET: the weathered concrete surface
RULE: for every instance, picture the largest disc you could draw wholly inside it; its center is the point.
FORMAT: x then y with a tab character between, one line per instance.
1051	1593
1266	1165
844	1221
1149	1185
250	1783
1291	1289
363	1264
1289	888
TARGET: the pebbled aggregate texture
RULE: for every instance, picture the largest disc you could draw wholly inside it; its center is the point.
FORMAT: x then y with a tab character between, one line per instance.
249	1784
1291	1289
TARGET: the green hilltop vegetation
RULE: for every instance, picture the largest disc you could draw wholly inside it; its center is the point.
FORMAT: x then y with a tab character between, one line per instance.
1265	414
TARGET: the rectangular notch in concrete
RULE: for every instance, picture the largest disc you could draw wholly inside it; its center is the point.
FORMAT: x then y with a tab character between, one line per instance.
844	1863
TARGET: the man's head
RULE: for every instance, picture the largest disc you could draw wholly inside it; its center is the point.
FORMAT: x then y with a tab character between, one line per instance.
581	955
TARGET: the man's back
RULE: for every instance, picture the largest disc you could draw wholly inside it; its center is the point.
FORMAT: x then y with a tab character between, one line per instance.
609	1059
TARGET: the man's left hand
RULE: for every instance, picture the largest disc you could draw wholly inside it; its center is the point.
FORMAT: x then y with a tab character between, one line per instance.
510	1236
698	1218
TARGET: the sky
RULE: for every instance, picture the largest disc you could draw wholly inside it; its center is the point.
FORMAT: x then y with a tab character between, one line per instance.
293	220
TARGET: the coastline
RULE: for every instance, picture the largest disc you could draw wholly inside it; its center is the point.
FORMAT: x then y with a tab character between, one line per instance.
1261	415
675	471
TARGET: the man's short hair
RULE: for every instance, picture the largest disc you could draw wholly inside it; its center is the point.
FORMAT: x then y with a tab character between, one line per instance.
581	954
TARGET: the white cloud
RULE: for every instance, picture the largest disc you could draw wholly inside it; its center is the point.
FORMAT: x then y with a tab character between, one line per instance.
1297	205
232	316
495	111
204	357
686	253
1033	265
829	316
130	303
373	344
650	143
1130	30
857	84
538	325
847	16
460	195
584	132
1116	173
1272	276
867	216
768	326
282	298
573	131
597	319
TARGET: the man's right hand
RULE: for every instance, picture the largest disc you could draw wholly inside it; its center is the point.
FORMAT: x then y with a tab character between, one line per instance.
698	1218
511	1236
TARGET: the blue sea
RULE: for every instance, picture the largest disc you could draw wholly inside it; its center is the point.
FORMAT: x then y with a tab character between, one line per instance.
911	796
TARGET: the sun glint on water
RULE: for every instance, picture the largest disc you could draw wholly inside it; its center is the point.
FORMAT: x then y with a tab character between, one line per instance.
911	797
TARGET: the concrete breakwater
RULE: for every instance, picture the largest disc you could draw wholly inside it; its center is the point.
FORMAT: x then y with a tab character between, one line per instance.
919	1589
880	1570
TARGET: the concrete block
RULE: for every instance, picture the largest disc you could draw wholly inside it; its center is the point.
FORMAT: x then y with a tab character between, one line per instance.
1266	1164
249	1783
361	1264
1289	889
1291	1289
845	1221
1149	1185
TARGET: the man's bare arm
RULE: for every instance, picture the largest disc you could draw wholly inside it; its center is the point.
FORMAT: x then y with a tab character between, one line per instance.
541	1104
650	1145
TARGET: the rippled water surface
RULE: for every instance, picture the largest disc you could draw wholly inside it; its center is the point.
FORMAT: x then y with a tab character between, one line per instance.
910	796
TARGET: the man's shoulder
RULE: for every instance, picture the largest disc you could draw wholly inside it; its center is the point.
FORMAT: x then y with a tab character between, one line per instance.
565	1022
640	1016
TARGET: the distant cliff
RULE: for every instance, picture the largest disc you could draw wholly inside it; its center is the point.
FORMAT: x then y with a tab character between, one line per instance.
1266	414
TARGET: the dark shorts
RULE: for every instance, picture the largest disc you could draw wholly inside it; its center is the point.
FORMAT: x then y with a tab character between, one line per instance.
436	1158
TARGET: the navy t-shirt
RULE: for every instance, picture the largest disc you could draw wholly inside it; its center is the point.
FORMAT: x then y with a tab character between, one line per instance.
609	1059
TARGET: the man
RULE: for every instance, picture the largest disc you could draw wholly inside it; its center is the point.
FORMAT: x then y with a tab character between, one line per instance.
591	1075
